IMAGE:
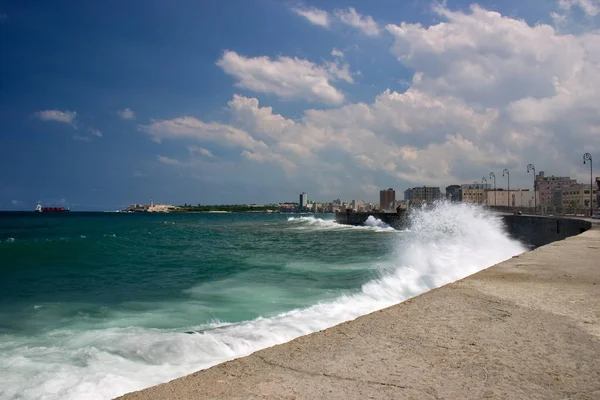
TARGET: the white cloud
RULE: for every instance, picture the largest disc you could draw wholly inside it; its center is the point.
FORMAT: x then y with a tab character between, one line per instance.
589	7
67	117
337	53
489	92
16	202
167	160
314	15
200	151
126	113
286	77
95	132
269	157
364	23
194	129
261	121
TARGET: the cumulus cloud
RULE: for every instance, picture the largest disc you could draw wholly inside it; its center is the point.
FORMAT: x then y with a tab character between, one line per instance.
366	24
95	132
314	15
194	129
67	117
200	151
589	7
167	160
286	77
536	79
262	121
126	113
337	53
488	92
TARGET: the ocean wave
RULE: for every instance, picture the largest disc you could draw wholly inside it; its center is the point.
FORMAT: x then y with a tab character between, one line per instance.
442	246
313	223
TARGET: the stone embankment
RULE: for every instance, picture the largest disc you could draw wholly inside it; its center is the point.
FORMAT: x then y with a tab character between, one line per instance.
527	328
530	229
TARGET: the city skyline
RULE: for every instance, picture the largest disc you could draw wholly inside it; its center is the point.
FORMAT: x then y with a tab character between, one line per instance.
105	105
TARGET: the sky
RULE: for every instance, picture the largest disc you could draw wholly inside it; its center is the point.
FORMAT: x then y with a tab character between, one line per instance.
104	104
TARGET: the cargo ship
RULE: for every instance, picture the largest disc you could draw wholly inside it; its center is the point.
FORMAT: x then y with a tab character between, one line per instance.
39	208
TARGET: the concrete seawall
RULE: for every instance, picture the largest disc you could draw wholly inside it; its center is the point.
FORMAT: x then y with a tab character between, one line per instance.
530	229
527	328
539	231
394	220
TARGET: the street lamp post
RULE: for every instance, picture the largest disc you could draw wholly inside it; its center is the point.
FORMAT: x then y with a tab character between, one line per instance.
482	183
506	172
531	167
588	157
493	176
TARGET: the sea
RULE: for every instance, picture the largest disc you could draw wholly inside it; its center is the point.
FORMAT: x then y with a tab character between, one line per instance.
95	305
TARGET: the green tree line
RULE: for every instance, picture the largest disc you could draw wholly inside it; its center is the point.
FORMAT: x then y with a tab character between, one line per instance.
234	208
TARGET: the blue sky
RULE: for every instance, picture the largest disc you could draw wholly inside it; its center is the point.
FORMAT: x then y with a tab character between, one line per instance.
106	104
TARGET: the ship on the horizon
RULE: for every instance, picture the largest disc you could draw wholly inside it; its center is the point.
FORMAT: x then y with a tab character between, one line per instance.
39	208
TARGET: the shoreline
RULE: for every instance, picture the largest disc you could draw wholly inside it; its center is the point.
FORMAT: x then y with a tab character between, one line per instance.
525	328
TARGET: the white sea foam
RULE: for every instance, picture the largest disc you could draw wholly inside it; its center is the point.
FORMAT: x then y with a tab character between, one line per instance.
313	223
443	245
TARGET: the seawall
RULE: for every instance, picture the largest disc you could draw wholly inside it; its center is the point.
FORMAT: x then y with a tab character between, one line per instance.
530	229
539	231
527	328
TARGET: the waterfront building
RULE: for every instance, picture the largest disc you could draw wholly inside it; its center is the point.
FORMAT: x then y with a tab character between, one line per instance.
576	197
387	197
598	192
420	194
473	195
550	186
358	205
453	193
302	204
519	198
475	185
288	207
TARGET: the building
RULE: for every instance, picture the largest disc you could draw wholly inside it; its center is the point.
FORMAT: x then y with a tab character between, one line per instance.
576	197
598	192
358	205
519	198
473	195
303	202
420	194
547	186
387	197
475	185
453	193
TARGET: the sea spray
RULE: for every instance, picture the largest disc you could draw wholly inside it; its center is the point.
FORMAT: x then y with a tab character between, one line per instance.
443	244
315	223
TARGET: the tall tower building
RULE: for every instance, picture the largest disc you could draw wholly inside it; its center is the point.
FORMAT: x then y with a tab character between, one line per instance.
303	202
387	197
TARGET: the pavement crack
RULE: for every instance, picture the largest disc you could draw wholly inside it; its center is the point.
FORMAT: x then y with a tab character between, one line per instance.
334	376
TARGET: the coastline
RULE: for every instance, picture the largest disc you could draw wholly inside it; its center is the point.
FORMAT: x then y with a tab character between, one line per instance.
525	328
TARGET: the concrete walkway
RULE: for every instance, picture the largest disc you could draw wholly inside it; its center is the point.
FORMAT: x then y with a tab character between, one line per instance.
528	328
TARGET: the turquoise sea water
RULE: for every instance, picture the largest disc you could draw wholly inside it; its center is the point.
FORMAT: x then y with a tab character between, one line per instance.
94	305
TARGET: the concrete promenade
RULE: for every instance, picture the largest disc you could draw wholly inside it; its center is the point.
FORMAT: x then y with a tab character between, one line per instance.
528	328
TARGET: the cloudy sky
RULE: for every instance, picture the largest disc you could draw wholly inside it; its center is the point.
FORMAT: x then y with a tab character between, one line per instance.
103	104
